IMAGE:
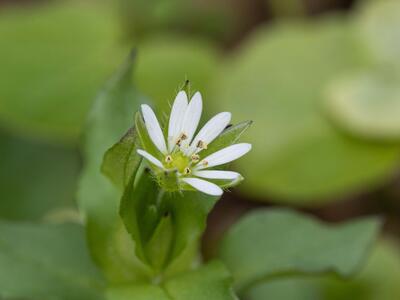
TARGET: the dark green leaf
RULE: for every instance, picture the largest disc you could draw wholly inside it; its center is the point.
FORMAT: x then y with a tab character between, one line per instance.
111	116
46	262
265	244
121	160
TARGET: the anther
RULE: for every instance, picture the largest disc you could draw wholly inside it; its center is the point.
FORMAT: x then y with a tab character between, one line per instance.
168	159
187	171
202	145
195	158
205	163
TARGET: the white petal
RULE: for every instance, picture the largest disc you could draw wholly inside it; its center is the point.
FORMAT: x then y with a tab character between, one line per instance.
176	118
215	174
153	128
224	156
150	158
192	117
211	130
204	186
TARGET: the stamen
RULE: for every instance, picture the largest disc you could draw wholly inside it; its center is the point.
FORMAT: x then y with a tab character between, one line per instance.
205	163
202	145
187	171
168	159
181	138
195	158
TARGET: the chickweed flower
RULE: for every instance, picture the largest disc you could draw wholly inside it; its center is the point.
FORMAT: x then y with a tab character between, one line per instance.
180	153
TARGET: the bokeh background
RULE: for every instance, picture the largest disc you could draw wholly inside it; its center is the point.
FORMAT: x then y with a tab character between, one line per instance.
320	78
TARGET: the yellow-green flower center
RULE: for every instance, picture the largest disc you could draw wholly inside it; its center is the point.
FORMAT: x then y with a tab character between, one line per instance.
177	161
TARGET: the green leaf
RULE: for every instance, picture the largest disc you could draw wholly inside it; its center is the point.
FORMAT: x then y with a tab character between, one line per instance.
146	211
297	155
367	105
255	248
111	116
121	160
46	262
378	280
210	282
53	58
297	288
35	178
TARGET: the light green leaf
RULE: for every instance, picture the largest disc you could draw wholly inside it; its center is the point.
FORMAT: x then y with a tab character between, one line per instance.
266	244
35	178
53	58
46	262
121	160
378	24
298	156
366	104
111	116
210	282
146	211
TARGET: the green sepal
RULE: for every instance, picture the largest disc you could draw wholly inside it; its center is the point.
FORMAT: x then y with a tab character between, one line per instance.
122	160
228	137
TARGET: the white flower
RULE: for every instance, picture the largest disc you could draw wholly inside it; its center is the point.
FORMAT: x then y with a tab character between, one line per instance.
182	148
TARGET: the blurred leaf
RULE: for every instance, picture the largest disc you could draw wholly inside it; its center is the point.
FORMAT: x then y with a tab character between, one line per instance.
288	289
121	160
197	18
379	280
181	217
255	248
210	282
53	58
297	156
111	116
366	104
378	23
35	178
46	262
164	63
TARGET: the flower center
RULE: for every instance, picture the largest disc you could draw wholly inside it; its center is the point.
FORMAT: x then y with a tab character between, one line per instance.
178	161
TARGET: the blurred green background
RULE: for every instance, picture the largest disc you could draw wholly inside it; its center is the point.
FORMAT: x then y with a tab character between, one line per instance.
320	78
